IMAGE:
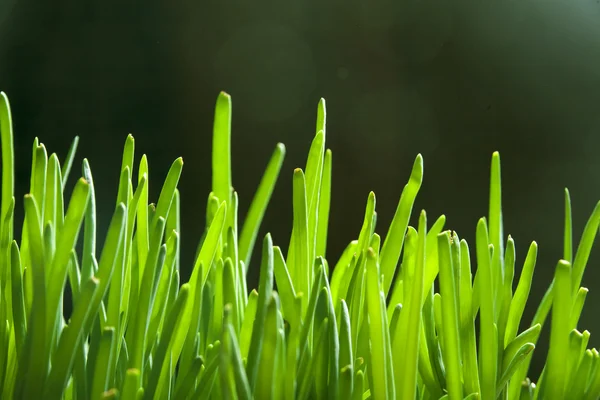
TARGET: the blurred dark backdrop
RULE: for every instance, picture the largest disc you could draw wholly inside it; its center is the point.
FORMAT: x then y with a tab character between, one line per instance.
451	80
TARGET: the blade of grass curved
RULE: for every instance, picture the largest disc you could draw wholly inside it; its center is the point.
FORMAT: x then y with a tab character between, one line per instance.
431	264
339	271
408	261
285	288
167	193
578	307
530	335
259	204
68	163
8	161
517	305
512	366
584	248
451	335
394	240
488	353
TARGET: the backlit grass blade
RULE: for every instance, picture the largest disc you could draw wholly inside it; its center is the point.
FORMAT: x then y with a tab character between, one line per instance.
89	302
394	240
298	260
519	300
265	384
89	230
265	290
451	335
285	288
159	366
346	359
468	338
139	326
512	365
143	230
488	352
568	231
554	382
324	205
406	356
131	385
259	204
221	149
343	265
380	359
308	378
18	299
585	247
231	362
8	162
539	318
495	228
68	163
528	336
578	303
167	194
31	375
248	323
103	361
38	189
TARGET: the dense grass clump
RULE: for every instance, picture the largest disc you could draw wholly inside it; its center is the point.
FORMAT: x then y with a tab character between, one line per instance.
393	318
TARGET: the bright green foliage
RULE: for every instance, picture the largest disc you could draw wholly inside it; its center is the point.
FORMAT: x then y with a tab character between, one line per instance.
395	318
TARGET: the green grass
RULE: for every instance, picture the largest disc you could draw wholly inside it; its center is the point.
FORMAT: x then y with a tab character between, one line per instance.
393	318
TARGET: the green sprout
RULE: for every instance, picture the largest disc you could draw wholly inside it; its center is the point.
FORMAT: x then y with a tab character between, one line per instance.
393	318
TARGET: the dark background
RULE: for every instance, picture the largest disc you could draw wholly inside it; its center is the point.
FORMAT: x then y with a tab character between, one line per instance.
451	80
